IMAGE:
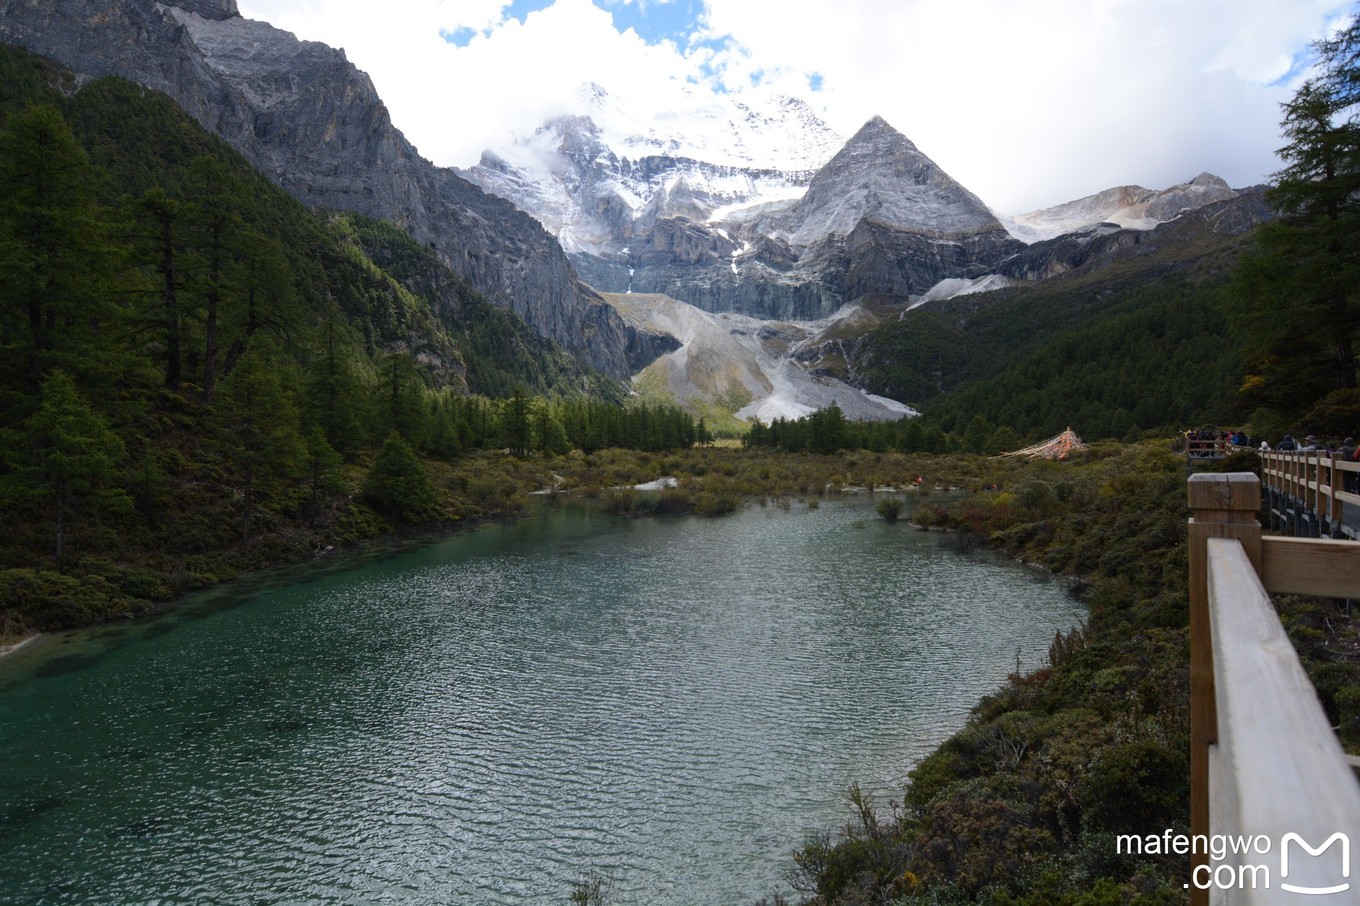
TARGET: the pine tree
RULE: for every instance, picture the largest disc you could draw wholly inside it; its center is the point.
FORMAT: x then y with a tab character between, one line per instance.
323	466
515	423
1302	284
268	450
401	398
216	228
161	241
398	484
334	395
52	253
976	434
72	454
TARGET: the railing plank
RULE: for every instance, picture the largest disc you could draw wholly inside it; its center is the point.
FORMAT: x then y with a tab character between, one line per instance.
1286	768
1310	566
1221	506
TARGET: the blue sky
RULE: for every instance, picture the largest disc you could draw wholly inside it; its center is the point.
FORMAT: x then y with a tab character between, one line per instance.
675	20
1029	103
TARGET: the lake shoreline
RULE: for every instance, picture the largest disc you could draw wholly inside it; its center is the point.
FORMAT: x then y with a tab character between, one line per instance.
434	532
428	533
9	648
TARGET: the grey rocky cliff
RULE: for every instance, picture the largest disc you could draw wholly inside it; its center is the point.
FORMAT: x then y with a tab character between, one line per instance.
311	121
880	175
210	9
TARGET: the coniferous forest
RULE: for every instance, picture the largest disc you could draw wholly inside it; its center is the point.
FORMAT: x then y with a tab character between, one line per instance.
202	376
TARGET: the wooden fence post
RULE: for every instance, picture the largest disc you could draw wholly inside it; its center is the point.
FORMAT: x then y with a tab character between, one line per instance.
1334	511
1221	506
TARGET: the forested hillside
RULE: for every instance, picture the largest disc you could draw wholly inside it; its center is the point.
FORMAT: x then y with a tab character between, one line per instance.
1141	341
198	373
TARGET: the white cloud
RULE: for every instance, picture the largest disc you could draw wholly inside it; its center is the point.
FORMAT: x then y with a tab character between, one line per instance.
1027	102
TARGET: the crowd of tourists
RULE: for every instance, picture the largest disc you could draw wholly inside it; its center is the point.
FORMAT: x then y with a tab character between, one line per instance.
1215	443
1345	449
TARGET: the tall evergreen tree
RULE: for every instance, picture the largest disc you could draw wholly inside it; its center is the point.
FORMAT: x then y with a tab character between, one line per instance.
216	227
72	454
401	398
334	394
1302	284
398	484
268	449
516	424
51	249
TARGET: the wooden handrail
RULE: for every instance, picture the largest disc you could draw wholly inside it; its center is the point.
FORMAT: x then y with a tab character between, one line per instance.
1310	566
1264	760
1315	480
1277	767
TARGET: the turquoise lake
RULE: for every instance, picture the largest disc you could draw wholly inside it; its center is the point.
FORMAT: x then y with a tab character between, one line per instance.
672	704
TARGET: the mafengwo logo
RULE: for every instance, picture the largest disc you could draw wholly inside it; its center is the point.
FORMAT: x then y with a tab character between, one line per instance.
1303	844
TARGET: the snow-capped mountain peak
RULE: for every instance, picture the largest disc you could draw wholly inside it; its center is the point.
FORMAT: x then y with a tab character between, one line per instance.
598	175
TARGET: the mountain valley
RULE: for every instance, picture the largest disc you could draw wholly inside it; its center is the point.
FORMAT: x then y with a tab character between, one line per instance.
747	211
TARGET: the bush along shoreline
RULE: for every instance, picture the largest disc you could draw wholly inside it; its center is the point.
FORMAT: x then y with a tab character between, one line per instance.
142	559
1024	805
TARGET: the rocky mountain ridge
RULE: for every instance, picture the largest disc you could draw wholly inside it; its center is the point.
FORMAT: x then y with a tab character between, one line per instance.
312	122
1106	242
1132	207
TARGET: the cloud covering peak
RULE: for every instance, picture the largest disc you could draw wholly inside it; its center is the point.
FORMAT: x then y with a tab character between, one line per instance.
1029	103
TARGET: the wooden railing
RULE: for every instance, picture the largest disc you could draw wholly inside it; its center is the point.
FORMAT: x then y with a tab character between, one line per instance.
1308	496
1264	761
1206	449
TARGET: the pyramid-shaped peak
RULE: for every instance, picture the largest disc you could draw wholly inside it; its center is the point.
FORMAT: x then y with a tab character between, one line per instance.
877	125
591	91
881	175
878	135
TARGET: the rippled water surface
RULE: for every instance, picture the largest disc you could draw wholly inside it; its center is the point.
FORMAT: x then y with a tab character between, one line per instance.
673	704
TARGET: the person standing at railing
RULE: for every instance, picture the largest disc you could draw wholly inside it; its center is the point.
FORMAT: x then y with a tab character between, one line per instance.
1350	452
1288	445
1309	445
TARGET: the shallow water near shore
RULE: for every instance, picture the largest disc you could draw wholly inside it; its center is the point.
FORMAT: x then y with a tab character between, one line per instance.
674	704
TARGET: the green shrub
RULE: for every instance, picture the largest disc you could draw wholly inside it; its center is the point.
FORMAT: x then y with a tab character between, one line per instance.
890	508
721	503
